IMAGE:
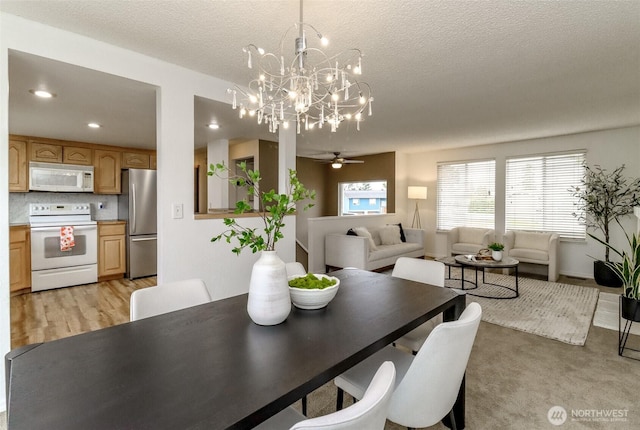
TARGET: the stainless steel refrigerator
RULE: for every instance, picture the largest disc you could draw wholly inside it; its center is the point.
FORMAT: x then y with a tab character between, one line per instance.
137	205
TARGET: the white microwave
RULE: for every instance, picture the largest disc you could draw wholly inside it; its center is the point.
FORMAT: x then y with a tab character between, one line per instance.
66	178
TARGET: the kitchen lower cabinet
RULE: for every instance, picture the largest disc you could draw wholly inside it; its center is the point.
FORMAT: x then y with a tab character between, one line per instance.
112	261
19	258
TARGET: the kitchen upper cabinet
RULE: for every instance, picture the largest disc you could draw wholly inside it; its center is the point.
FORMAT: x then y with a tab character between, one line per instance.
77	155
18	166
45	152
111	250
106	175
19	258
153	161
135	160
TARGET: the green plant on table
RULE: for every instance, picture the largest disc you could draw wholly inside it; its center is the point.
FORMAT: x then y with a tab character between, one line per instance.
273	208
495	246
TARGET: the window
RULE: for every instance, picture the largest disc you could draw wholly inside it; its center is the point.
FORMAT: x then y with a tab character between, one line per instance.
362	198
466	194
537	194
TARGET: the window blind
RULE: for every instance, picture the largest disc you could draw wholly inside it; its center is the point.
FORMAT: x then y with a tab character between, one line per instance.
466	194
538	195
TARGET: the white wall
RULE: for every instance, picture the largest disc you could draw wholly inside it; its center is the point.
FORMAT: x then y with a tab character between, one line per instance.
184	249
609	148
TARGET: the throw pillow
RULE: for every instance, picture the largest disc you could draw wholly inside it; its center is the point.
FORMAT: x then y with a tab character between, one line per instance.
390	235
350	232
402	236
363	232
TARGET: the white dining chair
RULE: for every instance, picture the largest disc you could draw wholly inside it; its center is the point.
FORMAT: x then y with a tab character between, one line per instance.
172	296
370	413
427	384
426	272
294	269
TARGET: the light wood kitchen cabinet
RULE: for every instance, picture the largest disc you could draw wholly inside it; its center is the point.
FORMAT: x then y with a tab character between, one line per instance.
106	175
45	152
19	258
77	155
18	166
153	161
135	160
112	263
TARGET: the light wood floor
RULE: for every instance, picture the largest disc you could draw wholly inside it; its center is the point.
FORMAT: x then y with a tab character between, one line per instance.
48	315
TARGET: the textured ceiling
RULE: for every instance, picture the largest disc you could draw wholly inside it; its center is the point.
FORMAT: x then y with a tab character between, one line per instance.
443	73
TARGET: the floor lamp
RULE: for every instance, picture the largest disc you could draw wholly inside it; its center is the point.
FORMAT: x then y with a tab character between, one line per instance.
417	193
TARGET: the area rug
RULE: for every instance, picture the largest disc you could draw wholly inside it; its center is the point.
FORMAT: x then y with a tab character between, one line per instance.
556	311
608	312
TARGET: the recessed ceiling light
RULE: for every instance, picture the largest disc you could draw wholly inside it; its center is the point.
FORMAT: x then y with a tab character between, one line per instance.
213	126
94	125
42	93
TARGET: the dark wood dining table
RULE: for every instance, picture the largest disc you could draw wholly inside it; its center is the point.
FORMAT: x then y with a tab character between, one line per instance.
210	366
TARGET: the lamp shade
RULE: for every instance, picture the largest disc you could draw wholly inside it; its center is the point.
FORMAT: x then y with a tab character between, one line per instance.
417	193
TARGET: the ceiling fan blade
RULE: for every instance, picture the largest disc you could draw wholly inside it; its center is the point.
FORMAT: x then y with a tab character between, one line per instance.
352	161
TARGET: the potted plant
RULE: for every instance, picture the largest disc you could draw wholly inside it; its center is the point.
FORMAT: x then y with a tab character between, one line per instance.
605	197
269	302
496	250
628	271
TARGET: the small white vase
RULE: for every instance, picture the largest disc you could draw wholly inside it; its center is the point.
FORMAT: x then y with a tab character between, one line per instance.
496	255
269	301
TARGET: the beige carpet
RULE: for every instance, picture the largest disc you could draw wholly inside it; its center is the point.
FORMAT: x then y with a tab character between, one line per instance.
557	311
608	313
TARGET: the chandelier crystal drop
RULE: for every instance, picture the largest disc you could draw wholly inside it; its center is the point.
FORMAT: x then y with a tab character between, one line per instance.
311	89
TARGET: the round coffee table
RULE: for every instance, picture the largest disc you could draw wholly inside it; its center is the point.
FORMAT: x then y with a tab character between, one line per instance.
478	264
451	262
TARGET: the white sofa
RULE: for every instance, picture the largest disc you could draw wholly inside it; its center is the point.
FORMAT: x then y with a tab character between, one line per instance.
535	248
469	240
342	250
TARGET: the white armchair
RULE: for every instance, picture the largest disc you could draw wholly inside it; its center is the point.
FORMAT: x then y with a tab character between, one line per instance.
534	247
469	240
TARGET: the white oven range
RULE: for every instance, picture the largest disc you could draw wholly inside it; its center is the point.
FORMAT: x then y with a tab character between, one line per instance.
52	267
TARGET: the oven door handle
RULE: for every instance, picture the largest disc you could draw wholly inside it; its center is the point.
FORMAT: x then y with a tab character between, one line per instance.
75	228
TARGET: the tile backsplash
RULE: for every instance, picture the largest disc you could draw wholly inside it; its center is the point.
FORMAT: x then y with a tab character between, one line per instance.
19	204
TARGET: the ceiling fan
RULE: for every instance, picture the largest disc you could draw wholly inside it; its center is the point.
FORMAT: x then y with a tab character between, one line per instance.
337	161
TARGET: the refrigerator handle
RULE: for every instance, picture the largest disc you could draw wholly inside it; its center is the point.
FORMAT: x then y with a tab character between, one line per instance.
133	208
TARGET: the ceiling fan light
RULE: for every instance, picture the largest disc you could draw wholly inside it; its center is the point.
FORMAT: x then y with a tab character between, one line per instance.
336	165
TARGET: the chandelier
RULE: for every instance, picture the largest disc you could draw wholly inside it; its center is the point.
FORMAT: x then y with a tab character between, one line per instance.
311	89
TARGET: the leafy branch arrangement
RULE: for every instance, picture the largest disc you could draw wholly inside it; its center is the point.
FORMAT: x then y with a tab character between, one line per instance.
605	197
274	207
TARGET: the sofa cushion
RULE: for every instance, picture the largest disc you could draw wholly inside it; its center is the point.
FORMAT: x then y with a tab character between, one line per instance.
390	235
363	232
402	236
532	240
386	251
471	235
530	255
375	234
465	248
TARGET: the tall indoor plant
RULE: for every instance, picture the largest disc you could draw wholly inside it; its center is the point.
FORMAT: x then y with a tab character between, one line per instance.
603	198
269	302
628	270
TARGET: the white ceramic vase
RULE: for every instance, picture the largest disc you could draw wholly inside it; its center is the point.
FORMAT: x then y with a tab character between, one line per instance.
496	255
269	301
